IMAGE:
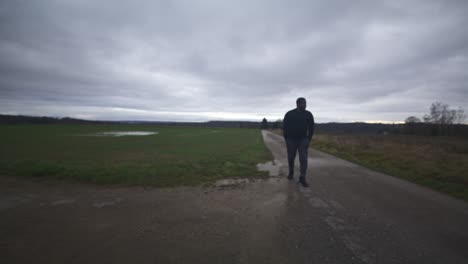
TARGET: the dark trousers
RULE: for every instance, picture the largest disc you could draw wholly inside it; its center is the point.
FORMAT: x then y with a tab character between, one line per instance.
297	145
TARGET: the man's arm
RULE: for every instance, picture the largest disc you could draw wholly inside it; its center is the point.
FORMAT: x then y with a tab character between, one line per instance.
285	126
311	127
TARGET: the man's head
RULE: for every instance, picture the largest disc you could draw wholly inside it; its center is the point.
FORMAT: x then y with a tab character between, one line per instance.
301	103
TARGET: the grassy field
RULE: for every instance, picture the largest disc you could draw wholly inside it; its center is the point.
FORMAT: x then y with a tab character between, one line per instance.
174	156
436	162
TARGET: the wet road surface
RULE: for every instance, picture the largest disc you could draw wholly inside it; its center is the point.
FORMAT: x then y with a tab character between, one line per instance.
348	215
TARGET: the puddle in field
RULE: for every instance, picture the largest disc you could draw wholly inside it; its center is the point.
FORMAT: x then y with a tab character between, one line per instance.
124	133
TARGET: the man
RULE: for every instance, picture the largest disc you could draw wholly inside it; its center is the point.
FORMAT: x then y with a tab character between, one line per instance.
298	129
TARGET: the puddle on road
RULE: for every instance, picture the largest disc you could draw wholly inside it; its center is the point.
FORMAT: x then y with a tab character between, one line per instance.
11	201
123	133
273	167
64	201
230	182
108	203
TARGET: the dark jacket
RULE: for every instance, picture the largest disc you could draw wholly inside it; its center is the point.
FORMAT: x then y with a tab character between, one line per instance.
298	124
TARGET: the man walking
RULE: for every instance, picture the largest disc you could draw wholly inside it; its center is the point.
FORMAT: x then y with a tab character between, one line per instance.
298	129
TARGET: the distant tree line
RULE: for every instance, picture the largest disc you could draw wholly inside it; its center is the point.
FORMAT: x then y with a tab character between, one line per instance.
441	114
412	128
421	129
441	121
278	124
22	119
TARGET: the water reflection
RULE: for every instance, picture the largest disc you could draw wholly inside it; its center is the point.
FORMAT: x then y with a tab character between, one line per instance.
125	133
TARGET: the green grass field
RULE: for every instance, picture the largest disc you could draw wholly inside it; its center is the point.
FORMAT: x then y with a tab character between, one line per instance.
174	156
440	163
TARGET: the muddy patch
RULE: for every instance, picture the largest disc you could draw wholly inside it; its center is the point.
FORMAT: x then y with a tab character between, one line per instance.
64	201
10	201
272	167
230	183
108	203
318	203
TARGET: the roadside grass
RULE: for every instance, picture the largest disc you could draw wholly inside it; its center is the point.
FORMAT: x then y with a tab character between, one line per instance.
440	163
174	156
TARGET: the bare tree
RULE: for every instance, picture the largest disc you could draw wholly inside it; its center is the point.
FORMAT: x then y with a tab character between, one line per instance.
443	118
440	114
460	116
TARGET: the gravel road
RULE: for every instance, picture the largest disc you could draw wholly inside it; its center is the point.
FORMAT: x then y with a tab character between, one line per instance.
348	215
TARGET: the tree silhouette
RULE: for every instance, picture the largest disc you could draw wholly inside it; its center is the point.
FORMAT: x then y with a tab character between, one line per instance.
441	114
412	119
264	124
277	124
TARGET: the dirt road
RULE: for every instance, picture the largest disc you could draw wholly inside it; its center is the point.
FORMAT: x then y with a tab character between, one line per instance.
348	215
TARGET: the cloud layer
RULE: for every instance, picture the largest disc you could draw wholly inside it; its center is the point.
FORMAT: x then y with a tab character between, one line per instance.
206	60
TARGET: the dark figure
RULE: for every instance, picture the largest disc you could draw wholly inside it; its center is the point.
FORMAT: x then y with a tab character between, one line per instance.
298	129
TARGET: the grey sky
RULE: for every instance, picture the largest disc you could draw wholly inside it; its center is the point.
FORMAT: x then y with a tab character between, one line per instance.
212	60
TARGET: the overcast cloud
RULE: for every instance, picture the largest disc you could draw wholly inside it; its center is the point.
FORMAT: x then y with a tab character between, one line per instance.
238	60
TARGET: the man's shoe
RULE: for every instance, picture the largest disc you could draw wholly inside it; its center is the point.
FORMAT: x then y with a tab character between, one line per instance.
303	182
290	177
